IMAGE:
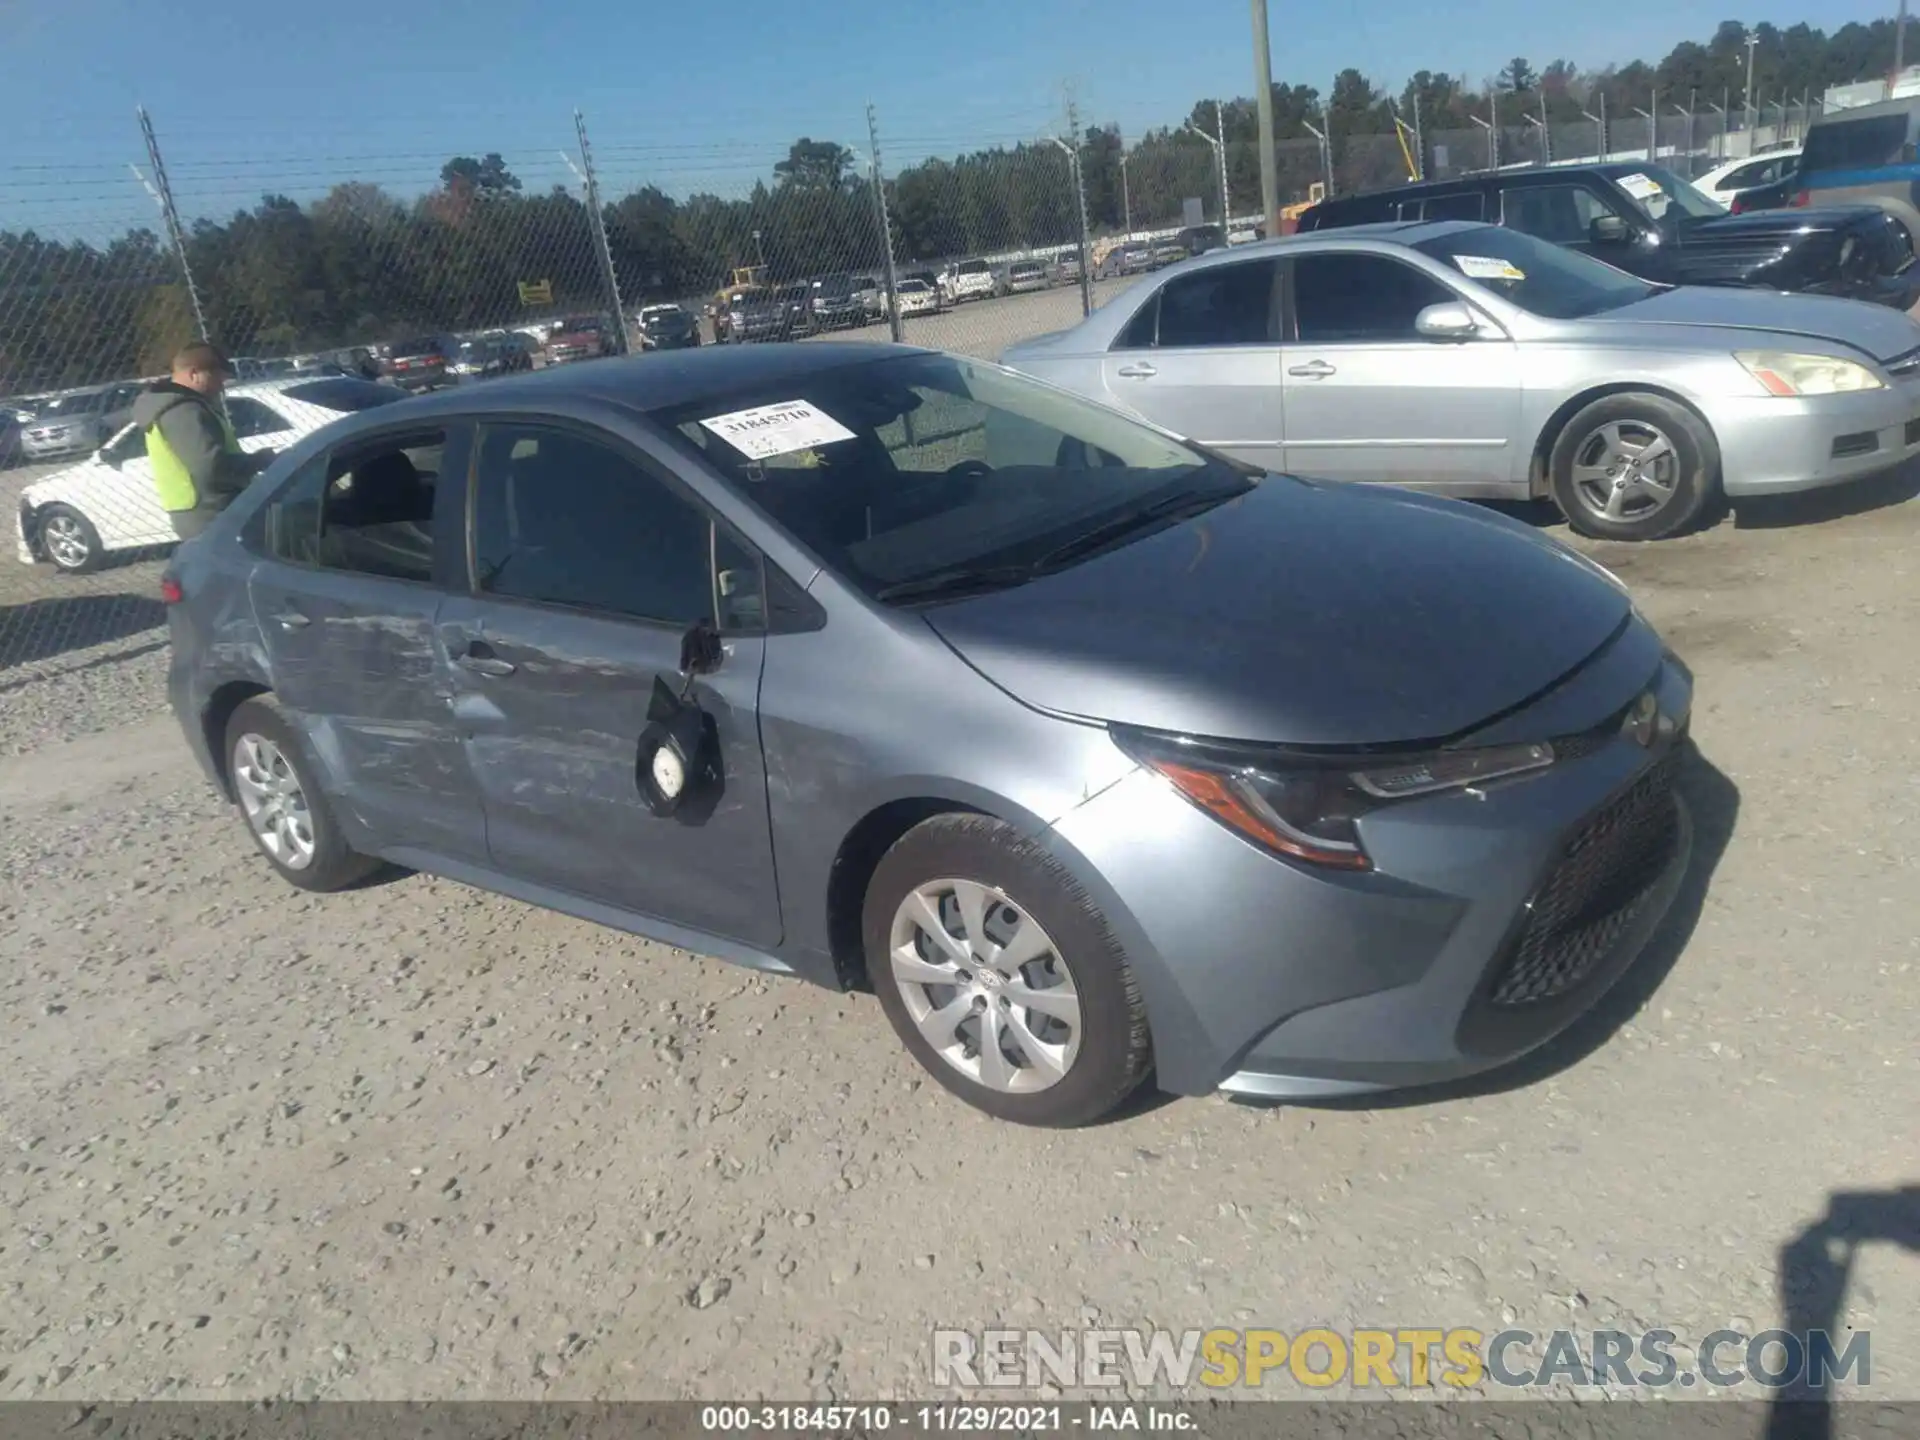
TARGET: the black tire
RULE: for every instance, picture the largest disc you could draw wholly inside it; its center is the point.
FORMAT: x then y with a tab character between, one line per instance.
1691	470
334	865
83	533
1114	1049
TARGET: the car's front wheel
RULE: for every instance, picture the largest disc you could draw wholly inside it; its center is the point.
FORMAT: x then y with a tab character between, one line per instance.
69	540
1000	975
1634	466
286	811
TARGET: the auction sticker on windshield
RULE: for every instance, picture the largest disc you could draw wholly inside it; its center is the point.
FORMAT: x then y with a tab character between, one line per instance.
1488	267
768	430
1639	186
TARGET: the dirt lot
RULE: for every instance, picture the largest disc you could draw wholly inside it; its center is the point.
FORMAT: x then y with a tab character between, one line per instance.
415	1141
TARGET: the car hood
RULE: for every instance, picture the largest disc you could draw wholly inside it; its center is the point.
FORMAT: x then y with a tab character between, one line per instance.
1877	329
1299	614
1738	229
61	483
1732	248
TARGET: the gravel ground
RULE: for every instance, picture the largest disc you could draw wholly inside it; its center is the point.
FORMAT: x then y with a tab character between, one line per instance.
415	1141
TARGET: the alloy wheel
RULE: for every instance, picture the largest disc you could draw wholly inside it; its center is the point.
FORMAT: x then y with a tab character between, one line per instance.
985	985
1626	470
65	541
274	802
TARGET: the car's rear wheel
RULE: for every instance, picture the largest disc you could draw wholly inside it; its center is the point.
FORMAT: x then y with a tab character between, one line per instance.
279	796
69	540
1634	466
1001	976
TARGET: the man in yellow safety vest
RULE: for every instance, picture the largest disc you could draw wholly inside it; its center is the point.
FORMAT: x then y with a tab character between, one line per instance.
198	465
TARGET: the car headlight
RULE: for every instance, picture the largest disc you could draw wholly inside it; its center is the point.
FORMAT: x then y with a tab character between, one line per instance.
1784	373
1308	808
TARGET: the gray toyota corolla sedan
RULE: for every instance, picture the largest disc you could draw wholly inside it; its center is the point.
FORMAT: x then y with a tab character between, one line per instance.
1095	754
1477	361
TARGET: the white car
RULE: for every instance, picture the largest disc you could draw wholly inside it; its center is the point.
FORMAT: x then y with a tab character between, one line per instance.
1723	182
966	280
77	517
916	297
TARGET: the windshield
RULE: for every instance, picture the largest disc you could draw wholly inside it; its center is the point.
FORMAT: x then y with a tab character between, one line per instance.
835	287
409	348
1545	279
971	267
1665	196
579	327
900	471
793	294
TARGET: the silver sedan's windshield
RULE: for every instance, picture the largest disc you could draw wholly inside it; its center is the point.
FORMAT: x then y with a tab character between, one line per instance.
1548	280
925	474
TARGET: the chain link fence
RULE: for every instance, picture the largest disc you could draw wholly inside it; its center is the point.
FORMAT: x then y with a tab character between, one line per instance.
323	276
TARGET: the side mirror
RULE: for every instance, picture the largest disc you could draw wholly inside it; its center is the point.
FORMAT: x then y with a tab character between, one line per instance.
1607	230
106	458
676	759
1450	320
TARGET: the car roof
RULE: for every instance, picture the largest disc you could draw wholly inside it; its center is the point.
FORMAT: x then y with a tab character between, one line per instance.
681	377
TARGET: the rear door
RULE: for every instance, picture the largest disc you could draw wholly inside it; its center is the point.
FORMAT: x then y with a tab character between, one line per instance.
355	553
1368	398
592	561
1202	358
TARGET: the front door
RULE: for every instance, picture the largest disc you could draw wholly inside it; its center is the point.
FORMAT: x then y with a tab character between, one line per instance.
592	563
346	593
1368	398
1202	359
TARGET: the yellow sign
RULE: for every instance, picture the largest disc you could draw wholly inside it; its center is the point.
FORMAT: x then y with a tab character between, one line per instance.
537	292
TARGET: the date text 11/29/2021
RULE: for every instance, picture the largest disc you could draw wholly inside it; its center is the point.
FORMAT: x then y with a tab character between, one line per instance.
957	1417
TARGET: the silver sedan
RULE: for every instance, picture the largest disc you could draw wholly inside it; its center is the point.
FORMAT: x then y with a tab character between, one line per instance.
1481	363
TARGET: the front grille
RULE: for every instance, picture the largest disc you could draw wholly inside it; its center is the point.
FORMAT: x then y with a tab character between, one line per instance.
1596	890
1863	442
1913	432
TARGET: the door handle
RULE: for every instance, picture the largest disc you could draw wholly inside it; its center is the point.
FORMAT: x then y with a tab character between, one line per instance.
485	664
292	620
1312	370
1137	371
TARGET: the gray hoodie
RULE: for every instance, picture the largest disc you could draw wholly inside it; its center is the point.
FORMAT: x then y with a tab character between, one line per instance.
192	427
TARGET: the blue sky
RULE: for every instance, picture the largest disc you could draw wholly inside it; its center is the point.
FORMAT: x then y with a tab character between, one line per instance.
301	94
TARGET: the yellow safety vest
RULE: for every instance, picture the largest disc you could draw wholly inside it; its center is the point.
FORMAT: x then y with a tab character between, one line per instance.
170	474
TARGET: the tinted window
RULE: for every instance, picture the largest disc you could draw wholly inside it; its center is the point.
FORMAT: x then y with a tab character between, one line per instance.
73	404
568	520
1561	214
410	348
369	511
1224	305
1363	210
1863	143
344	395
1471	205
251	418
1360	297
1760	172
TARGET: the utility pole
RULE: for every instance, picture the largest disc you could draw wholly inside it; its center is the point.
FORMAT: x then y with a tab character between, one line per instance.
1126	195
170	214
1226	191
1419	141
1263	108
1753	44
896	324
1080	191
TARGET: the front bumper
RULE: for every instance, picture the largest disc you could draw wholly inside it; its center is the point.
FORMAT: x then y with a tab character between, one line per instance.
1271	979
1775	445
69	444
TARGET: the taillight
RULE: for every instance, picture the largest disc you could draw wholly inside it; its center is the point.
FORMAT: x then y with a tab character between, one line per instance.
1734	207
1799	201
170	591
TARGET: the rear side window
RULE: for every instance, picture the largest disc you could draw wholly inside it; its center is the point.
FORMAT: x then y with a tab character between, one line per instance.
1470	205
368	511
344	395
1856	144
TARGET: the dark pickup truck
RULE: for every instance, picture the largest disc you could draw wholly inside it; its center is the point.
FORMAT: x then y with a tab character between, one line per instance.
1646	220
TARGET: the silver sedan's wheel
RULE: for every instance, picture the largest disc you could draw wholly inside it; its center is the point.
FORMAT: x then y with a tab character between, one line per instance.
985	986
1626	471
275	804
